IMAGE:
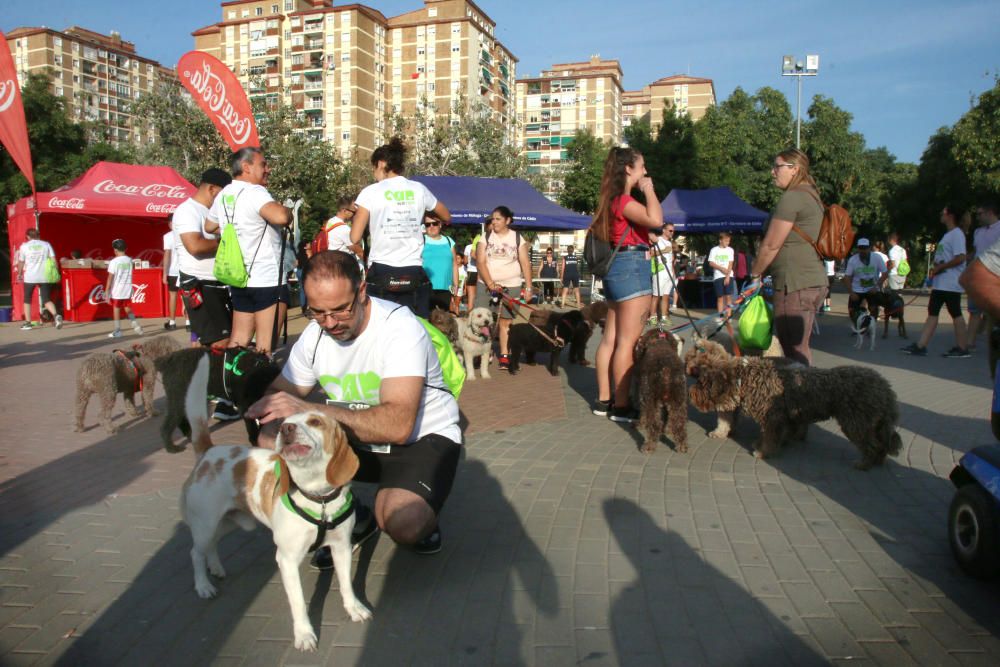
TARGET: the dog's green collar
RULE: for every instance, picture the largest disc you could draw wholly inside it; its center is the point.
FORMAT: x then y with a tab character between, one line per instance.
231	365
318	519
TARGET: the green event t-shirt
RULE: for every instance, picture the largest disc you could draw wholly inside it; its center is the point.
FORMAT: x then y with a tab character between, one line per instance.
797	265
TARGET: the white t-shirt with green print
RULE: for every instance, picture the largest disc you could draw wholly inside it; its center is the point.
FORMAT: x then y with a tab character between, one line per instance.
394	344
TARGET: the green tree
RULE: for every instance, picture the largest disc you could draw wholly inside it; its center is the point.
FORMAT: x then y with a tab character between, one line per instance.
976	146
585	165
835	151
671	156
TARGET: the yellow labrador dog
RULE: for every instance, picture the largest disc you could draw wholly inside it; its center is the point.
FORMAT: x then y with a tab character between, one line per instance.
300	491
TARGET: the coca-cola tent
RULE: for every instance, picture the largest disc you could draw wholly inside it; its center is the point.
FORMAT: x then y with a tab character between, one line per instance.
109	201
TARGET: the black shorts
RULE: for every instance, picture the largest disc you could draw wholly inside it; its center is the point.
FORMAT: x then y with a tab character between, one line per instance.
426	467
472	277
256	299
952	300
44	291
572	281
172	283
212	319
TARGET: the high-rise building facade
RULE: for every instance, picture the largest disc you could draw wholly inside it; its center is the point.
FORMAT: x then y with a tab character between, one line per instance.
678	94
566	98
347	67
97	75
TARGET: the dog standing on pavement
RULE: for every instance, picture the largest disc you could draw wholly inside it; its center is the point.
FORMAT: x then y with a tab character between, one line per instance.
107	375
864	327
301	491
662	388
475	339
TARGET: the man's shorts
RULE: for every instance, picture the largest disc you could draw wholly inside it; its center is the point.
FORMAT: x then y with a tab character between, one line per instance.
426	467
172	283
662	284
472	276
212	320
256	299
571	281
120	303
721	289
952	300
44	291
896	283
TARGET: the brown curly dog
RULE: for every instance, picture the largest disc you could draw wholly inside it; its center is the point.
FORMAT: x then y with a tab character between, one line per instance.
108	374
784	399
662	389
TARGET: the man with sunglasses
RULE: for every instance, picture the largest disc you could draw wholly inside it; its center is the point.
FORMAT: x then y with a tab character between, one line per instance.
368	353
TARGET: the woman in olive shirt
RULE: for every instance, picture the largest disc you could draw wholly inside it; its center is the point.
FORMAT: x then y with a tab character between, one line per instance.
797	271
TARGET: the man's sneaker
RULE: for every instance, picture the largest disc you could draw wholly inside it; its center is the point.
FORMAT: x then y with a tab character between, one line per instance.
137	328
504	363
117	333
27	326
625	415
187	325
170	326
665	321
601	408
429	545
652	321
915	350
322	559
59	321
225	411
365	526
956	353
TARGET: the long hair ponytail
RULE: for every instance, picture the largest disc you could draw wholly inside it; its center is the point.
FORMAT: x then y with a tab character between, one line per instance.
612	186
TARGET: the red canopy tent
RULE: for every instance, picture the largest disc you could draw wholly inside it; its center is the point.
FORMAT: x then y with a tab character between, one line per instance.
109	201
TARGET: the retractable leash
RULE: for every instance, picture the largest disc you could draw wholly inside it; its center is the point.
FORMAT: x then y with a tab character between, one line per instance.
741	300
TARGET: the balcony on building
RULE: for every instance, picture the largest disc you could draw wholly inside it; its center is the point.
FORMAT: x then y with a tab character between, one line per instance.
312	24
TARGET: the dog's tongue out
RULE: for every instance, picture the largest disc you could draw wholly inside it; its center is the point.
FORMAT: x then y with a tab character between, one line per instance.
485	331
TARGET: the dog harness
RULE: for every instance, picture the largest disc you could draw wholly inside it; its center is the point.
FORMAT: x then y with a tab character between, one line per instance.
134	368
320	520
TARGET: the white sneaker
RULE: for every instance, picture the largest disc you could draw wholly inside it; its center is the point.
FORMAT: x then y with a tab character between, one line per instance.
59	321
27	326
117	333
137	328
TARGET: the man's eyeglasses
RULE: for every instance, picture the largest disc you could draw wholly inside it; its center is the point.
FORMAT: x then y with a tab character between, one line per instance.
778	166
339	315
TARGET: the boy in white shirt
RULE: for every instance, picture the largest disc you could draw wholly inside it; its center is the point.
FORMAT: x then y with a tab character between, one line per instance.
661	247
721	259
119	288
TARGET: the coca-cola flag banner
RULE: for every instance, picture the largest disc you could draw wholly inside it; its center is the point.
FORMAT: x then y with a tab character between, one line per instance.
13	129
220	95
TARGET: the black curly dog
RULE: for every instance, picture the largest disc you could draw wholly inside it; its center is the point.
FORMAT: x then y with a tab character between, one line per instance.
567	329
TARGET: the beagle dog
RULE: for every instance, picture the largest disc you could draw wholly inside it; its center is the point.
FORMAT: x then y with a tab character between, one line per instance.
300	490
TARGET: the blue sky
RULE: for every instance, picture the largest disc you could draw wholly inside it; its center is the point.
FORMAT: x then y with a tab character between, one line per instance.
903	69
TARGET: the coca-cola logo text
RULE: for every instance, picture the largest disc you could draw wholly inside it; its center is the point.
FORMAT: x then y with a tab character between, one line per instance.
155	190
98	295
212	90
160	208
7	90
72	202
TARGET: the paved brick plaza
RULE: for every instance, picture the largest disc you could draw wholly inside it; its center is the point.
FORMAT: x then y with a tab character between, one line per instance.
563	545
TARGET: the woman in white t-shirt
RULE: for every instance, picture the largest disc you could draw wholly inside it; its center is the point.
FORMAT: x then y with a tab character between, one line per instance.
394	207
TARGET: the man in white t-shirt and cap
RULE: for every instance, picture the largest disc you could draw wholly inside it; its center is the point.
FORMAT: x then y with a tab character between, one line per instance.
368	353
170	278
30	269
249	207
949	262
864	276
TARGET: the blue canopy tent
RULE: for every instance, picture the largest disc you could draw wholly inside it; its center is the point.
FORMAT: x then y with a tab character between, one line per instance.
471	199
711	210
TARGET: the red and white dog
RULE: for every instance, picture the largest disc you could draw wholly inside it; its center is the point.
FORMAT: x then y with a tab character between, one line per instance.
310	468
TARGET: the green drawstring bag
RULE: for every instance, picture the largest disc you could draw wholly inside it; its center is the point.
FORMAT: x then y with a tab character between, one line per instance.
50	271
229	266
903	269
755	324
451	367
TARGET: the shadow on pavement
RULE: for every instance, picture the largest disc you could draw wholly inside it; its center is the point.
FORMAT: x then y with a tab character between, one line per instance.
472	602
681	610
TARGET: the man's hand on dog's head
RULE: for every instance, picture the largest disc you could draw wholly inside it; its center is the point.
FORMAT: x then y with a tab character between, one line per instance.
278	405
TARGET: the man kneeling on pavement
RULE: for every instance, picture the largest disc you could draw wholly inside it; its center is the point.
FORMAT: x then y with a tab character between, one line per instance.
375	362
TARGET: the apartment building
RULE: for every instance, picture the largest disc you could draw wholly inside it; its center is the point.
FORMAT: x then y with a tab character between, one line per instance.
678	93
97	75
563	99
346	68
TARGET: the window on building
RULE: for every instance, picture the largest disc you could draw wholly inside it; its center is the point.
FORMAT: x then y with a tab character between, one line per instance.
59	91
245	13
57	42
231	14
274	9
258	11
432	12
289	5
456	49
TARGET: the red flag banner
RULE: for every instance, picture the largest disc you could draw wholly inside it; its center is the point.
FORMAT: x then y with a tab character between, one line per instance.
219	94
13	129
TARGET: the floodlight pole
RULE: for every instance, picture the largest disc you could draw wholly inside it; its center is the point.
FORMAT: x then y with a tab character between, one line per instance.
790	66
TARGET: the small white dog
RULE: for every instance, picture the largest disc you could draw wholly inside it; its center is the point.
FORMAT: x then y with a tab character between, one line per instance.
308	473
864	326
475	338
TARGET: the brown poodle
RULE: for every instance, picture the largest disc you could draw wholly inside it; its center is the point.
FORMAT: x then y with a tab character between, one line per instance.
784	399
107	375
662	388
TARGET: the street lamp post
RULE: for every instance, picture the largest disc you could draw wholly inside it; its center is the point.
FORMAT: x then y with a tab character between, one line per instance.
790	66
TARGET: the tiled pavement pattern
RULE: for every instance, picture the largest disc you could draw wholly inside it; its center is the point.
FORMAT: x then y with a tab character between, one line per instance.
562	543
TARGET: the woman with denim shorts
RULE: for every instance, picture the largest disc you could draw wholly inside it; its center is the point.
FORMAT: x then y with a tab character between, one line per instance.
628	283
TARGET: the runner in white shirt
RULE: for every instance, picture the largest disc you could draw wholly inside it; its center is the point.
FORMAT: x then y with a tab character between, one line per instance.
30	268
394	207
662	259
985	235
246	204
721	258
206	300
365	352
119	288
170	278
897	255
864	274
